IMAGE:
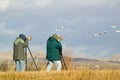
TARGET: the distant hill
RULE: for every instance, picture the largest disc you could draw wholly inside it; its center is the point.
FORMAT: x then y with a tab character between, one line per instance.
83	59
115	58
113	62
94	63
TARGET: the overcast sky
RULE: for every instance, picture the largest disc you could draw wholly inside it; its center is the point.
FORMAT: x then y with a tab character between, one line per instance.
89	25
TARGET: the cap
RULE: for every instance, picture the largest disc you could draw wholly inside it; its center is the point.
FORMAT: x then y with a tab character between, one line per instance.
22	36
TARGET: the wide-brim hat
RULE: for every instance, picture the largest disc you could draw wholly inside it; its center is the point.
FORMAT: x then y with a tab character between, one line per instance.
55	36
60	38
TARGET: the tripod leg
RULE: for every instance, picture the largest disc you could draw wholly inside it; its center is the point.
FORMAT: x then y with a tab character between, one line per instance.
64	62
26	59
33	58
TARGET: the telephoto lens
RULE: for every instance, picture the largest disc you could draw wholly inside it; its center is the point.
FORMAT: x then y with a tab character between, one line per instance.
29	38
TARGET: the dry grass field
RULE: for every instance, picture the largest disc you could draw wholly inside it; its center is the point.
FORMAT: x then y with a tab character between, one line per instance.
80	74
78	70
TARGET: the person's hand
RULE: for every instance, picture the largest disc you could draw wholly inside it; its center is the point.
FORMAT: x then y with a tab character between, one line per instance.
60	53
26	43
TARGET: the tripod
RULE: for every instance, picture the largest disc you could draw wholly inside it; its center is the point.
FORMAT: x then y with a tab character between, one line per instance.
32	58
63	62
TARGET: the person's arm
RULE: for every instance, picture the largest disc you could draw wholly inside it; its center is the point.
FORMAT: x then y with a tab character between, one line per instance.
60	48
60	51
25	43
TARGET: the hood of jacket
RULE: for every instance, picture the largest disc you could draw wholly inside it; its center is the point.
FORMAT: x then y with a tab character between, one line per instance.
18	40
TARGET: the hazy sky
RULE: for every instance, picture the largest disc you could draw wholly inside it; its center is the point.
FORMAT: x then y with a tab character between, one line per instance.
89	25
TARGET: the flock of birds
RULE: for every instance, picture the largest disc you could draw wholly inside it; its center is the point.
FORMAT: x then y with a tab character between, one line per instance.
117	30
95	34
104	32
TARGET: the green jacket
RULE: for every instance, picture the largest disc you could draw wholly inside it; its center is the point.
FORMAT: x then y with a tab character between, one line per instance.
53	49
19	49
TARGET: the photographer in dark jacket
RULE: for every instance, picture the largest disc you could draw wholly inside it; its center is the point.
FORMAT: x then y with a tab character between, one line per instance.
20	51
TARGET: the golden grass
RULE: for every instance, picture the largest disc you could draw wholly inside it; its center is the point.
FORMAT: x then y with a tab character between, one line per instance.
81	74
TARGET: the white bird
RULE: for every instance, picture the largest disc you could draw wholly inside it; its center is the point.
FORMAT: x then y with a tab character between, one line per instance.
88	35
114	26
105	32
97	35
117	30
62	27
56	29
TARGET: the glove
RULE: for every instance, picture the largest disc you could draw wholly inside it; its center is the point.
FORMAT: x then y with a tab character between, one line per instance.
60	53
26	43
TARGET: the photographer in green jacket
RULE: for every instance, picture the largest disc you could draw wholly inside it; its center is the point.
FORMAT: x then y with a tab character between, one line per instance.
54	49
20	51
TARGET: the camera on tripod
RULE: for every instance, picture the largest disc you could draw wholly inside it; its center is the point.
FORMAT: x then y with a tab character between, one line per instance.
29	38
